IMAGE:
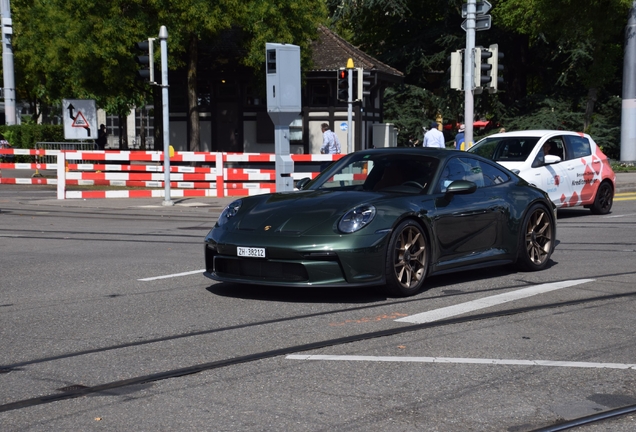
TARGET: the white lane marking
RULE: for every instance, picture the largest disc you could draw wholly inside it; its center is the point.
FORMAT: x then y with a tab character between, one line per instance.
482	303
172	275
618	216
463	361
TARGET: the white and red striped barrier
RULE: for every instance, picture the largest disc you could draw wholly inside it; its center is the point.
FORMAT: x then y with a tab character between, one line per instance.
224	176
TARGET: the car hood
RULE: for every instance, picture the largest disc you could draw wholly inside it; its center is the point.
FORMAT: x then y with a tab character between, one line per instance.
298	212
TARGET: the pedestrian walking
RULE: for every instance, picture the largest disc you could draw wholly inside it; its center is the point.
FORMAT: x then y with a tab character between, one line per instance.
330	144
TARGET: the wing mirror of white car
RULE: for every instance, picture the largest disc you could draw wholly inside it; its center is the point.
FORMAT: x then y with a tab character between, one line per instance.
551	159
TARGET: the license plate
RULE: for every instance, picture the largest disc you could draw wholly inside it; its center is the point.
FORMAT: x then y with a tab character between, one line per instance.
253	252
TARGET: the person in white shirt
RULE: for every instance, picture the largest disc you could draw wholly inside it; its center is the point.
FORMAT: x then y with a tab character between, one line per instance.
434	137
330	143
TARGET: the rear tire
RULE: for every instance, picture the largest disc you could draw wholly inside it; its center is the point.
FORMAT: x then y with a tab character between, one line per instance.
536	242
604	199
407	260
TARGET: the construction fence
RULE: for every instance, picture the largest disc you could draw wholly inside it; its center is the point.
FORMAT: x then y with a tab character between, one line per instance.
130	174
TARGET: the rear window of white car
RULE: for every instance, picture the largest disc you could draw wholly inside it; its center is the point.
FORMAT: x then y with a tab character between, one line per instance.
579	147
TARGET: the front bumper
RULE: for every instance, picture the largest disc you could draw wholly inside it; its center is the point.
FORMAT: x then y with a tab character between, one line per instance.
301	261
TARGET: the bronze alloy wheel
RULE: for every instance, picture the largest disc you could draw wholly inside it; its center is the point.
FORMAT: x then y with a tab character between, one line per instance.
408	256
538	234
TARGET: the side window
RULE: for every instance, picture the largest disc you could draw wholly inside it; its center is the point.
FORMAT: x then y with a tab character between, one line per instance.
474	172
478	172
492	175
453	170
555	147
578	147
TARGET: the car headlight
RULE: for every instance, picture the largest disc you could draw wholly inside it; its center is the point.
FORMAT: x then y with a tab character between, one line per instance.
356	219
229	212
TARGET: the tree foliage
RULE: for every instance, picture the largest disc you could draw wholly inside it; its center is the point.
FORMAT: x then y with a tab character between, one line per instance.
563	59
83	48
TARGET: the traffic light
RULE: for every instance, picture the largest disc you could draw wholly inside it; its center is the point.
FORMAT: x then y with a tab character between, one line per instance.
146	60
363	84
457	70
343	85
496	68
482	69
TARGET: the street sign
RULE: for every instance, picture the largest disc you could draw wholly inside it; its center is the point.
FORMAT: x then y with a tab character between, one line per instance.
481	8
80	119
482	22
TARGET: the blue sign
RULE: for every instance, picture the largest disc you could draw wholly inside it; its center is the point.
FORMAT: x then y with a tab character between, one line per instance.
344	126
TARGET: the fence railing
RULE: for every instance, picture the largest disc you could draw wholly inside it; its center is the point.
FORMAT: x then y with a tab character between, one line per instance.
73	146
140	173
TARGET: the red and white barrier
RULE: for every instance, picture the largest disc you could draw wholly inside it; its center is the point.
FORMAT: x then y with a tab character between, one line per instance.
145	169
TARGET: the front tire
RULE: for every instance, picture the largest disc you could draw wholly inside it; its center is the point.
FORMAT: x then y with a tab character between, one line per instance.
537	239
604	199
407	259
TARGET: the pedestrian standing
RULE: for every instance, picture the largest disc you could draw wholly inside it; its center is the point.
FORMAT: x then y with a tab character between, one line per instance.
459	138
102	136
434	137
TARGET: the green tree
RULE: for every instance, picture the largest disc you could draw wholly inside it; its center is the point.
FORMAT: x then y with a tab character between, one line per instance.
83	48
584	40
77	49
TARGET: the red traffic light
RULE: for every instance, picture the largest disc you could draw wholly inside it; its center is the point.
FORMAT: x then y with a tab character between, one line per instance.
342	74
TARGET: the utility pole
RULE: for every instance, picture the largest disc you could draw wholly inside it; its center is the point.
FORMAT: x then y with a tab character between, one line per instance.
7	64
350	105
163	38
469	61
628	110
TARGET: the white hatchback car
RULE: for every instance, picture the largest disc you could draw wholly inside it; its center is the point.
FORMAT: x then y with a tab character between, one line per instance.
569	166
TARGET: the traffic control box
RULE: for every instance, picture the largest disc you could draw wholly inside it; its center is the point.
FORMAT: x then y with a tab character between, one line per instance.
283	82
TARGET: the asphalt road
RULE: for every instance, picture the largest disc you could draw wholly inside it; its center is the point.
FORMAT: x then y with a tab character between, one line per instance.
106	323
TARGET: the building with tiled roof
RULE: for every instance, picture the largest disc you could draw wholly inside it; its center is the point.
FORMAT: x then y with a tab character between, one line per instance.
233	113
330	52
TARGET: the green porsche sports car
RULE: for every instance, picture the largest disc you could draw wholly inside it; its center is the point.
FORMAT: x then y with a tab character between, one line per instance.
384	217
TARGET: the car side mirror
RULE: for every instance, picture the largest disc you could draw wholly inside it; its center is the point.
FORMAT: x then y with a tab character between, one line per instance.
551	159
300	184
461	187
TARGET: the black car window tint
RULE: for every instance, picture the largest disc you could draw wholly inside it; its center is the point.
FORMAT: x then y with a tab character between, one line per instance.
492	175
453	170
473	171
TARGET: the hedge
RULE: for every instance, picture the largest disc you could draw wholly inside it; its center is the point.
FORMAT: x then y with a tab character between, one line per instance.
26	135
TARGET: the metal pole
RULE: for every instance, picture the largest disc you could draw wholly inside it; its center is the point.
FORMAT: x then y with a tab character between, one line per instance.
163	37
7	64
349	109
628	110
469	66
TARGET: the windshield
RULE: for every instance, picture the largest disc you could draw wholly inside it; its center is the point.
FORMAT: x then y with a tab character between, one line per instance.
405	173
505	148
